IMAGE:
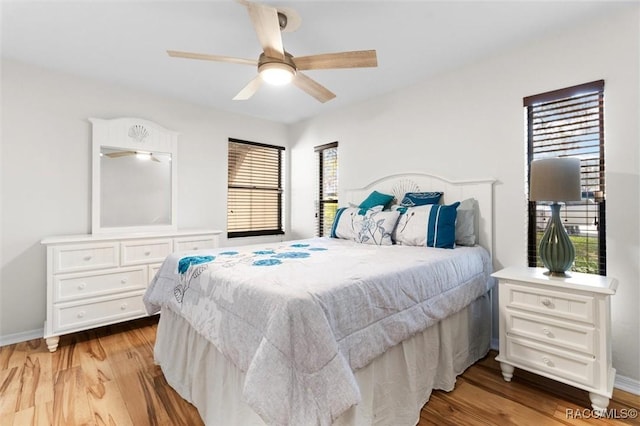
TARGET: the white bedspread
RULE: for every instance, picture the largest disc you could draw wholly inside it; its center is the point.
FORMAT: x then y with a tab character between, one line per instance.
299	317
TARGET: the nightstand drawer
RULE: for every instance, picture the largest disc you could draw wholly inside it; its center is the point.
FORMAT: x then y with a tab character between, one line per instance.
83	285
560	364
145	251
547	330
98	311
547	302
83	257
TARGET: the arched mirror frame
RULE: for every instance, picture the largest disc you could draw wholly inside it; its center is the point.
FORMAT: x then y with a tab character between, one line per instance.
135	135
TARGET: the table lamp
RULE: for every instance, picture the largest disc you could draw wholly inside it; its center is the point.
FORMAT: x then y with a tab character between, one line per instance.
555	179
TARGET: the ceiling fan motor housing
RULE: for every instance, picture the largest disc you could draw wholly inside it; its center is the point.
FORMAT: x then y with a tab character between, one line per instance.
284	68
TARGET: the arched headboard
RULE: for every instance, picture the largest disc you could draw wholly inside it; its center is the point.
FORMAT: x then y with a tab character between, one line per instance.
398	184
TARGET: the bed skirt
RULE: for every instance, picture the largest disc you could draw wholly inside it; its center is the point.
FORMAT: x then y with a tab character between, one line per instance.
394	386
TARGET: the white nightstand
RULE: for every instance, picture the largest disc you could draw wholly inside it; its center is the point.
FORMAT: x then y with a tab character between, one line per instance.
559	328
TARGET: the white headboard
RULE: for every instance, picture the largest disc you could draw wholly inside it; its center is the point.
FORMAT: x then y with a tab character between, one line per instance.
398	184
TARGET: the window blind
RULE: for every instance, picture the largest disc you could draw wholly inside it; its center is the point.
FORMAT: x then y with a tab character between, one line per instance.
570	123
254	195
327	166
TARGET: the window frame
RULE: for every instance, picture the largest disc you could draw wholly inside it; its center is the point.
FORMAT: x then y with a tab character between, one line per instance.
279	230
557	96
320	200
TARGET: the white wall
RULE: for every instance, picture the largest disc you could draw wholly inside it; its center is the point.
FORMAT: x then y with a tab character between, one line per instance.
46	170
469	123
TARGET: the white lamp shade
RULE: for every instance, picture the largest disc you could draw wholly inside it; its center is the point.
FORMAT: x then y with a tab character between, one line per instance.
555	179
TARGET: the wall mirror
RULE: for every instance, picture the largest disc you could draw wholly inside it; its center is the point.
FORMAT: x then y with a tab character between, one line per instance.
134	176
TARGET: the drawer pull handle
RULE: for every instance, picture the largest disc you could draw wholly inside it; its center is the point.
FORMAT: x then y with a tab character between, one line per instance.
147	253
87	258
195	248
82	286
123	306
547	332
547	361
546	302
81	314
123	281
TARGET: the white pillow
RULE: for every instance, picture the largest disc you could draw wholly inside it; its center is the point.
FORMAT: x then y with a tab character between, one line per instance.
432	225
466	223
377	227
372	226
347	223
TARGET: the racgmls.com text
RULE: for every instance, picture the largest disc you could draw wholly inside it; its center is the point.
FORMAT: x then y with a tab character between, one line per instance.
585	413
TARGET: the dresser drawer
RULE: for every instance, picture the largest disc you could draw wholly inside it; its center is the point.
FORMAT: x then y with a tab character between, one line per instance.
98	311
82	257
142	252
544	359
547	330
153	270
548	302
196	243
82	285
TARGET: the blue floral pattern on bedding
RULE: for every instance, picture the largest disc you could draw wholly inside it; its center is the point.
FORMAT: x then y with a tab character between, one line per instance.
292	255
190	267
267	262
185	262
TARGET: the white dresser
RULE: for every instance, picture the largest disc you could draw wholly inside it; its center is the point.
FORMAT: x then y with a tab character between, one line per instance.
95	280
559	328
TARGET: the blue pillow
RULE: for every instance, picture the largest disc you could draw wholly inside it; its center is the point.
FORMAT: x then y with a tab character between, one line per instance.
413	199
441	226
376	199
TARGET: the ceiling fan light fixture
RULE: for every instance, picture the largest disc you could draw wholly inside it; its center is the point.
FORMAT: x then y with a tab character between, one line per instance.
276	73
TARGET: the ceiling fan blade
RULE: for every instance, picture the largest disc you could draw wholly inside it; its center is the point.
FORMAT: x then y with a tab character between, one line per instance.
249	90
265	21
313	88
117	154
206	57
355	59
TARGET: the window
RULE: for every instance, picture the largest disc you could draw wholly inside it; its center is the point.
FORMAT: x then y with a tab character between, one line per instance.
570	123
327	160
254	195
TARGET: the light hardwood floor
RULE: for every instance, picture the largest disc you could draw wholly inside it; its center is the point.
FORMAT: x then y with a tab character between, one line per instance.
107	377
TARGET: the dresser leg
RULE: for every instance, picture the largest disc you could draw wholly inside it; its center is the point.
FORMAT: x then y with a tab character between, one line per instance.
599	403
52	343
507	371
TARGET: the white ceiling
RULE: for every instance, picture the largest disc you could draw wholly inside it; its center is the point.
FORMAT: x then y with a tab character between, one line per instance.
125	42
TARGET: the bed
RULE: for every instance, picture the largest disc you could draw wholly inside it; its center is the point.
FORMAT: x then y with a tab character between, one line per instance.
331	330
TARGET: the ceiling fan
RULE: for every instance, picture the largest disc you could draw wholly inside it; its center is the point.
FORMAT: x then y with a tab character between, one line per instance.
139	154
276	65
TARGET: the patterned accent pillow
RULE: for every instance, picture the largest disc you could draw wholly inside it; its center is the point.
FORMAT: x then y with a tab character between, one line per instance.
414	199
377	227
433	225
373	227
347	223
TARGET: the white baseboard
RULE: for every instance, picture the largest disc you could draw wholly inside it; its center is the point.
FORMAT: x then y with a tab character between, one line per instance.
627	384
10	339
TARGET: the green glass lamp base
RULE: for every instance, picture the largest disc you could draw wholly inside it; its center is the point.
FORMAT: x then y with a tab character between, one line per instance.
556	249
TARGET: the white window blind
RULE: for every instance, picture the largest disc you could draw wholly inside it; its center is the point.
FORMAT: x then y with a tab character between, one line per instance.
570	123
254	196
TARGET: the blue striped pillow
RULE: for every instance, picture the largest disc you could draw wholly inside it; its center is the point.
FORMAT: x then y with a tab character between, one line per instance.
441	227
433	225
